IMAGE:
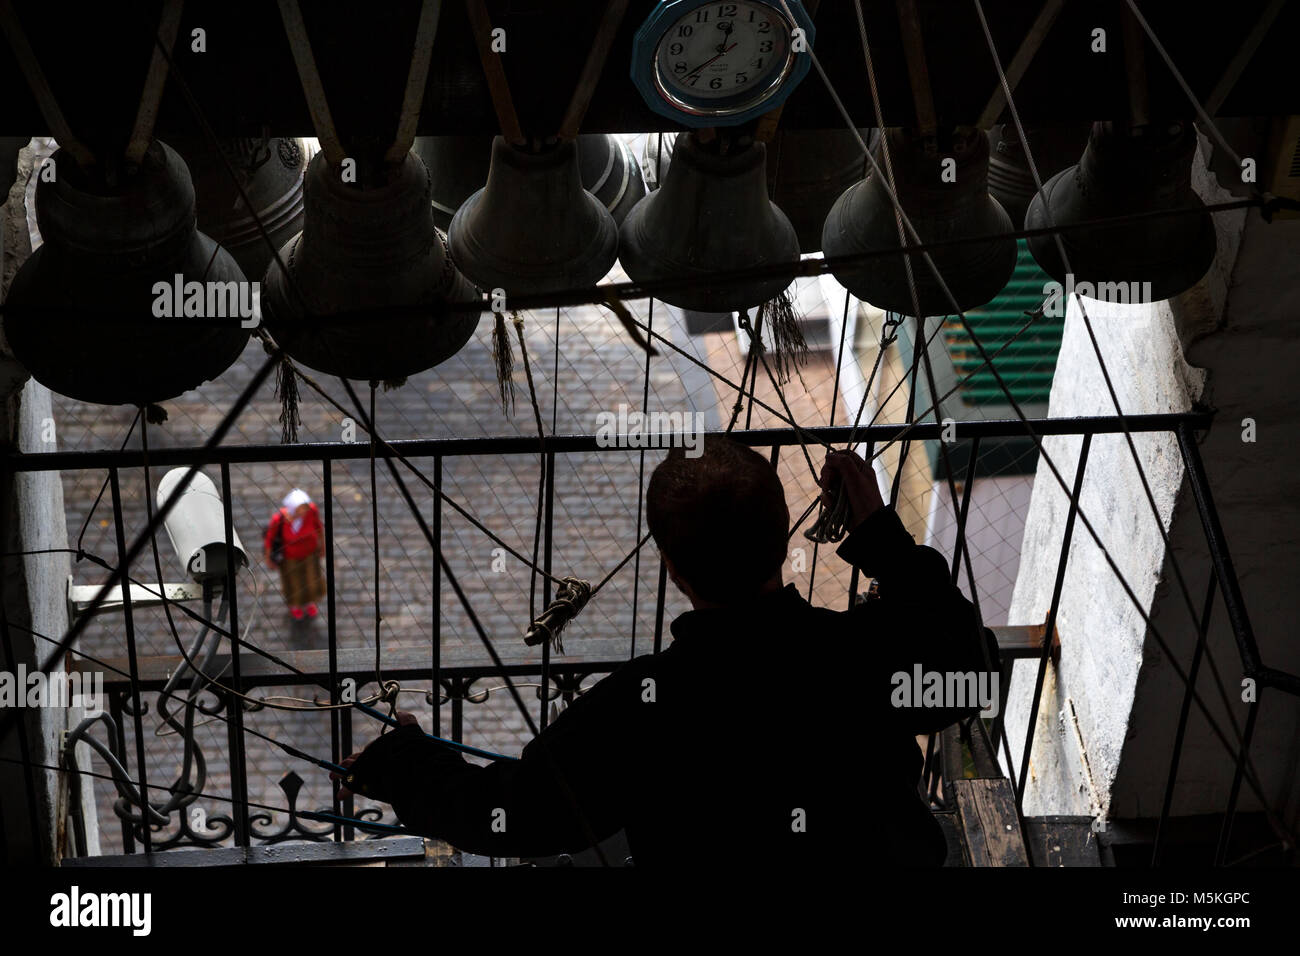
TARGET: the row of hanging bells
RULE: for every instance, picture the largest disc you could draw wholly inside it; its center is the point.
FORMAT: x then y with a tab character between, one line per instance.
558	218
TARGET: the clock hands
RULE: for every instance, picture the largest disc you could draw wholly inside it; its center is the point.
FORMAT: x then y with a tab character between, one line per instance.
710	60
726	35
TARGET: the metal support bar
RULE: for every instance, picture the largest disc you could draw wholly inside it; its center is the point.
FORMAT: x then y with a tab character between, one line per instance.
331	636
1050	627
548	535
965	508
1225	834
1189	691
1233	602
235	718
570	444
128	623
436	641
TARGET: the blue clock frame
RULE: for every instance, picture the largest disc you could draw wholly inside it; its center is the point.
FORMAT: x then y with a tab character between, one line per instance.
664	16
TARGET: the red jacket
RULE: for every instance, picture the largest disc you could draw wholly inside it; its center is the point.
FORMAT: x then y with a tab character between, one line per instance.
295	544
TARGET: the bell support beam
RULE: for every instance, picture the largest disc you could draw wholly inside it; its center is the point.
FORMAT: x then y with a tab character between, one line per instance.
1065	81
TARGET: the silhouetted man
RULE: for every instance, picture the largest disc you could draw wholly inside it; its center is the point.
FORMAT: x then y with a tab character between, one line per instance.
763	735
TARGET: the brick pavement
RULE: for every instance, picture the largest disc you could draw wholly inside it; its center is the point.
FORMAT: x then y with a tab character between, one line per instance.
595	523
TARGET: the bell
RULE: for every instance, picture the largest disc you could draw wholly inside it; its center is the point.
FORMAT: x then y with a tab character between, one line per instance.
810	169
941	207
533	228
610	173
102	311
1011	182
1125	171
710	214
270	172
656	156
458	166
367	249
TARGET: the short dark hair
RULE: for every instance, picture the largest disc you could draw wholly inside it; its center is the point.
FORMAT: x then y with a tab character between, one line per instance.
720	517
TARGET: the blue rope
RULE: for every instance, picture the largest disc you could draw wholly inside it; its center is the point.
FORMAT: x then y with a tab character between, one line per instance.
353	821
463	748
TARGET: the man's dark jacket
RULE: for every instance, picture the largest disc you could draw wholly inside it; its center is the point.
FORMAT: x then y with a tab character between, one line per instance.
763	735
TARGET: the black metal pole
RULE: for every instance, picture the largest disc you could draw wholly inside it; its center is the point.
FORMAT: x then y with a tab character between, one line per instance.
548	535
964	510
1233	601
327	521
128	623
238	763
1184	712
436	624
1225	833
1050	626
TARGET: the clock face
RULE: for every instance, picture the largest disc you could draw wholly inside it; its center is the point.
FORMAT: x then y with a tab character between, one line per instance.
723	58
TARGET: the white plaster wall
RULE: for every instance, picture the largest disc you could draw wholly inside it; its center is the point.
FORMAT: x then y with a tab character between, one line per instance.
1114	686
1101	630
1252	356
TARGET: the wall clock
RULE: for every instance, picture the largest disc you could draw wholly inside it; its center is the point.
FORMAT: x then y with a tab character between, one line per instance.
705	63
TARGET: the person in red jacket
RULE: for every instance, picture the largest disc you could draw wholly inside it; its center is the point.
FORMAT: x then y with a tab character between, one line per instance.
294	542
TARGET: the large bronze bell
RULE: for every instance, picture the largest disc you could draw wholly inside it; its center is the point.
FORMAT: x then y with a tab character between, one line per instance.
710	214
270	172
366	250
460	165
533	228
808	169
98	312
610	173
1126	171
862	220
1011	182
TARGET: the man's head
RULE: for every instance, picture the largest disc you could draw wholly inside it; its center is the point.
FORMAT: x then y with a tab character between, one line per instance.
720	519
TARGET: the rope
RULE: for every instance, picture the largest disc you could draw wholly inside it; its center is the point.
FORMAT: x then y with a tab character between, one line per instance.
592	69
155	80
756	345
426	32
494	73
313	89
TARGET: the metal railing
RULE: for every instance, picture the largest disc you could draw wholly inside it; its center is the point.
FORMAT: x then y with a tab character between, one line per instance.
453	680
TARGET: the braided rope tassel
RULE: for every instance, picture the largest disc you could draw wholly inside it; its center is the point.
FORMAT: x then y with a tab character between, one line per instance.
286	390
504	357
570	598
789	347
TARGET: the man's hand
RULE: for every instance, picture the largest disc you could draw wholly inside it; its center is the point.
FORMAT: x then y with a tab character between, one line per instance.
403	719
844	469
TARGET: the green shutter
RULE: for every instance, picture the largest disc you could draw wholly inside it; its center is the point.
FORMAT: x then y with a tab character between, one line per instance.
1028	363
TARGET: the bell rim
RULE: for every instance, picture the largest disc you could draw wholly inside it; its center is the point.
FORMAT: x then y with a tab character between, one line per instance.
601	247
1182	267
